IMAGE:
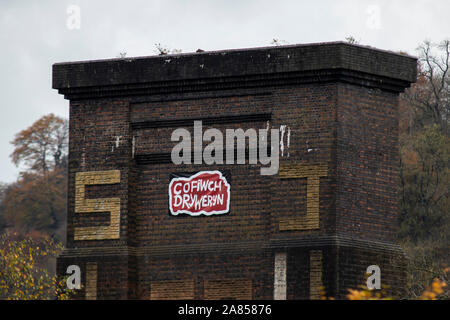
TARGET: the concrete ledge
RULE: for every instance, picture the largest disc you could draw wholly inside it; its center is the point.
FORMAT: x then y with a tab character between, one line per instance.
232	248
370	65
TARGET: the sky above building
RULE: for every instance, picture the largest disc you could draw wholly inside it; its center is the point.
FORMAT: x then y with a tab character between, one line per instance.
36	34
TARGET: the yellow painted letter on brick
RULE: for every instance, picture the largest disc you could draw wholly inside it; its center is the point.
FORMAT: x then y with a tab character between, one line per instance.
312	172
111	205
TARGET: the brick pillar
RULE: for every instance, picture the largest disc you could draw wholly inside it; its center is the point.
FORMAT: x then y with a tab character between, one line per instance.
331	209
99	160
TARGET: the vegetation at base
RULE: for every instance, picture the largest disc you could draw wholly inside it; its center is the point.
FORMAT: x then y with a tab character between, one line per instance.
24	272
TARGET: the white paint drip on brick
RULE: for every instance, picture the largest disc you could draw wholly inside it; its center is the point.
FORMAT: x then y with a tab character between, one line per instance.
288	140
118	141
282	130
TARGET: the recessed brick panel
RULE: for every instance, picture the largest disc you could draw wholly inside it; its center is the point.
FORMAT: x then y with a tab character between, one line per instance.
172	290
236	289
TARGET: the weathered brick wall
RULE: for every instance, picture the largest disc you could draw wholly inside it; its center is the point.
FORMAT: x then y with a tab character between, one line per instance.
262	202
226	275
172	290
305	179
367	163
330	211
98	190
99	149
353	263
103	275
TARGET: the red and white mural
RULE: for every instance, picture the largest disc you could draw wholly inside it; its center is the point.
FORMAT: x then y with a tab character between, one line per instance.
206	192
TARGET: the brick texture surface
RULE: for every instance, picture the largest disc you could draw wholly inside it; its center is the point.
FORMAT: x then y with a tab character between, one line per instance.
91	281
234	289
172	290
315	274
331	210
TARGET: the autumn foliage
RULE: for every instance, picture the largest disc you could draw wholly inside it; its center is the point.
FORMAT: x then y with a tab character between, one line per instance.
33	213
435	291
424	220
24	275
37	203
42	146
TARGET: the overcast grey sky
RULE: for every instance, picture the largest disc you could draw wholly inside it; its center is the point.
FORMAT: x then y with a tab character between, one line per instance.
36	34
